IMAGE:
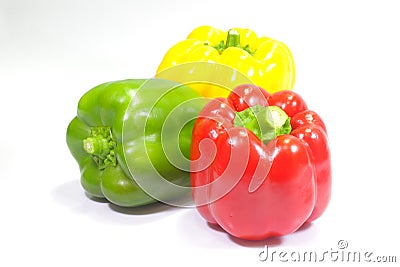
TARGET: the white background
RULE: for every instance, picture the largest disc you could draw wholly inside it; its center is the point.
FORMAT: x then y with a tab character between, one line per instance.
51	52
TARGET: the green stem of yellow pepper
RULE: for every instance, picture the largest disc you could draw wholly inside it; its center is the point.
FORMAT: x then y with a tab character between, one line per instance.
232	40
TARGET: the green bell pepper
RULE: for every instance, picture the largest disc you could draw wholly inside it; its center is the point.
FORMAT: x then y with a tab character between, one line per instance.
120	137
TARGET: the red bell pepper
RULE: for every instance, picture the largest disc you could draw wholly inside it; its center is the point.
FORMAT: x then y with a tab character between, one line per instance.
260	163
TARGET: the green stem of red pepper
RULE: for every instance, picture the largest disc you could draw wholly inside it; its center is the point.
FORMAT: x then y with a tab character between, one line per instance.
265	122
100	146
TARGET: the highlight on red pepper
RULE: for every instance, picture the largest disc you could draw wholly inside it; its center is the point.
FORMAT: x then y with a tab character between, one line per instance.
260	163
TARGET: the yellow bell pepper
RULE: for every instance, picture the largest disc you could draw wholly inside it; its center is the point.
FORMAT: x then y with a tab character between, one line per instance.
266	62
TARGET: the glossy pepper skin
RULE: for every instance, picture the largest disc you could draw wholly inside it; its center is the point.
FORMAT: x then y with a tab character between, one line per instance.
106	136
265	61
254	187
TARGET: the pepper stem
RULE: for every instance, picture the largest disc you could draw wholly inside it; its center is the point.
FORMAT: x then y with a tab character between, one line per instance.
95	145
265	122
100	146
232	39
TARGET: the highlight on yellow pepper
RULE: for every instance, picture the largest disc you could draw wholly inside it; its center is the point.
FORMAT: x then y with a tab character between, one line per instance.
267	63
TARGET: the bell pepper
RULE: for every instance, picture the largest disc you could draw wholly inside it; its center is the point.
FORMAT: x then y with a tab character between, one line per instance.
266	62
260	163
117	139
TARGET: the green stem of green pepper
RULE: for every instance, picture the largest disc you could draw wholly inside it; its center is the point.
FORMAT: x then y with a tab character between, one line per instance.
100	146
